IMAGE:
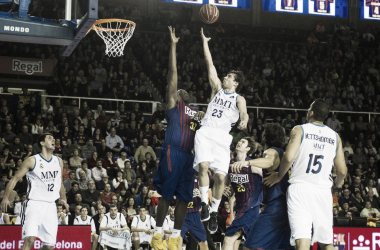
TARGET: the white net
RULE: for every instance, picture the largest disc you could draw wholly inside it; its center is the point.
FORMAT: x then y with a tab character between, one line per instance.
115	35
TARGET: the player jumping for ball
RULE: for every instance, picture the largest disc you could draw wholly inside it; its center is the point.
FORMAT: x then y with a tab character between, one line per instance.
45	185
175	174
212	140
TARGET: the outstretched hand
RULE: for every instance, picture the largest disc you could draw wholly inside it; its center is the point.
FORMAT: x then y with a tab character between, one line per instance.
204	39
173	38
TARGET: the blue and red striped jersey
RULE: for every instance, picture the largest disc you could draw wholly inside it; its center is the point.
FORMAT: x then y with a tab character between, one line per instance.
374	8
181	128
289	5
322	6
195	205
280	188
248	188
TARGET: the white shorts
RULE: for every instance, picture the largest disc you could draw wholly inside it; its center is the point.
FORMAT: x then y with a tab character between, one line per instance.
310	213
212	145
39	219
145	237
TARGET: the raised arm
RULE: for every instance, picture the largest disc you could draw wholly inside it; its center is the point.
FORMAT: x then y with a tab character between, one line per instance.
242	105
340	164
172	74
25	167
288	158
213	78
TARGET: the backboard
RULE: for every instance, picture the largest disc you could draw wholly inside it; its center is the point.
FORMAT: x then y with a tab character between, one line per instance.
15	27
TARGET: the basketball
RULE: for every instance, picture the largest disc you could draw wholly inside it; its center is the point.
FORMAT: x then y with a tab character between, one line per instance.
209	13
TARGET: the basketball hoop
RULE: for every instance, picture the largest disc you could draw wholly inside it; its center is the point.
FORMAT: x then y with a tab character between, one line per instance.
115	34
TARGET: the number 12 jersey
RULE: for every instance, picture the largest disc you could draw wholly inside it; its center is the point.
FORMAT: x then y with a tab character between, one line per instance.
44	180
315	158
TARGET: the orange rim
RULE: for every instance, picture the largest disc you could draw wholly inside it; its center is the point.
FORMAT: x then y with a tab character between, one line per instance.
110	21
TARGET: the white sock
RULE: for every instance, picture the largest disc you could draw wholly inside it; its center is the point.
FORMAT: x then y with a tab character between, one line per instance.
215	204
204	194
176	233
158	230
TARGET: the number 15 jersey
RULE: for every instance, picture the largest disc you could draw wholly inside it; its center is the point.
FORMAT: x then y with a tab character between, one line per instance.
315	158
44	180
222	111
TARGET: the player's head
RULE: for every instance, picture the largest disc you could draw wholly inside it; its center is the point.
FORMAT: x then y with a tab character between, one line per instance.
273	135
246	145
233	80
83	211
182	94
171	212
142	211
318	111
46	141
59	208
113	210
77	209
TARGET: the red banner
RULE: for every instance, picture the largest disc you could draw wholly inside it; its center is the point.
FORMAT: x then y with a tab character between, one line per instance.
26	66
355	238
68	237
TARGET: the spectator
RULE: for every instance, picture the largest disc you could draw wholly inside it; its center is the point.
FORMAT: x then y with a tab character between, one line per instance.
68	182
84	167
78	201
348	148
91	195
119	182
358	201
114	142
98	171
110	165
120	162
136	186
142	170
68	150
346	198
142	150
88	149
16	149
3	182
369	212
288	123
159	113
58	149
107	195
8	135
374	201
102	120
334	123
371	187
73	191
130	174
357	186
82	181
92	161
75	160
142	196
358	158
26	138
100	185
103	149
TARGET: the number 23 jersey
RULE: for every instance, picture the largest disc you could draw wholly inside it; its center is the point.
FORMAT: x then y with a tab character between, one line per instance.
315	158
44	180
222	111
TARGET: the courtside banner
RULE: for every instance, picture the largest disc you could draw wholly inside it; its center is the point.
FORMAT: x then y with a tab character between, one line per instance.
26	66
68	237
355	238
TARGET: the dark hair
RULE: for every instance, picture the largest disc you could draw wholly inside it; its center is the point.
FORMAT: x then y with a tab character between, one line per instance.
41	138
59	205
251	145
239	78
71	172
274	135
74	183
320	109
139	177
84	162
86	208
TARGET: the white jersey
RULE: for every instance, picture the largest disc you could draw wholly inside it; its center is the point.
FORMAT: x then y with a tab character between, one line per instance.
117	222
66	220
315	158
88	221
222	111
44	180
168	224
148	223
